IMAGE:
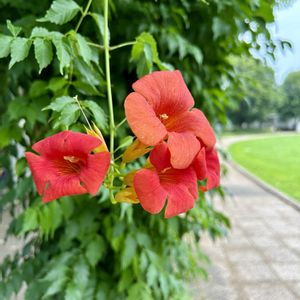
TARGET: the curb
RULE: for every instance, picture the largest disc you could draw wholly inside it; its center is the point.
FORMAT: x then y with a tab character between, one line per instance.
281	196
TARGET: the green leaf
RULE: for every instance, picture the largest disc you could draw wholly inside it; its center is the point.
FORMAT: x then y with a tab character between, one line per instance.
40	32
43	52
56	286
126	280
59	103
19	50
152	275
81	273
67	208
63	52
99	20
69	115
144	53
220	28
61	12
5	42
57	83
128	252
95	250
83	48
30	220
20	167
38	88
98	113
72	292
14	30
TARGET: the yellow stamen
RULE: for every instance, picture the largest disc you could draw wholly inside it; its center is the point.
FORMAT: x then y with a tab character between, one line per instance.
71	159
163	116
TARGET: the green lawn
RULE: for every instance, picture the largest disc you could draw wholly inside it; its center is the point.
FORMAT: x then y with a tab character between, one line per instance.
275	159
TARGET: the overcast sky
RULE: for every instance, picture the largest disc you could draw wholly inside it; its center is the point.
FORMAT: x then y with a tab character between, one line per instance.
287	27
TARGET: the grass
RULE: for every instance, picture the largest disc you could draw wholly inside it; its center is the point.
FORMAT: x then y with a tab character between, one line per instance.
276	160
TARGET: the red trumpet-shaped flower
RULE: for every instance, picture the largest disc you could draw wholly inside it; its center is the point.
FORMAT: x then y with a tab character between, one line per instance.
161	182
161	108
66	166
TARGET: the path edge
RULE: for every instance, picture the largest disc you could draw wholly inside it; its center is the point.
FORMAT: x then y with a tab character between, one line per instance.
267	187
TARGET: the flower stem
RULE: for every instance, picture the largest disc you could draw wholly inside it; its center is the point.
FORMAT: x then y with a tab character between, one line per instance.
109	96
122	45
121	123
83	15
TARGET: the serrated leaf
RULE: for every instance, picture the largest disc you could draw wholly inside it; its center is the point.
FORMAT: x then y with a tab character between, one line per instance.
59	103
40	32
56	286
69	115
99	20
43	52
98	113
5	42
14	30
81	273
61	12
151	275
128	252
19	50
83	48
63	52
95	250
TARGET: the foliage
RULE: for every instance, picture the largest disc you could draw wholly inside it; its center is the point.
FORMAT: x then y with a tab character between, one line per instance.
257	97
87	248
275	159
290	107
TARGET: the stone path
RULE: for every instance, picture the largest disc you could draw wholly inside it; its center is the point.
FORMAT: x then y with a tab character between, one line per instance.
12	244
260	259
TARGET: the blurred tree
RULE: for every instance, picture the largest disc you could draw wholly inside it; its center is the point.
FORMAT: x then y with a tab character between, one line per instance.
290	107
257	97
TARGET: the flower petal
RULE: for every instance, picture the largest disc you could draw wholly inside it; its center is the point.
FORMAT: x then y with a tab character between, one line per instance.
151	194
213	169
180	200
165	91
183	148
42	171
199	164
160	157
143	121
67	185
67	143
193	121
175	177
94	171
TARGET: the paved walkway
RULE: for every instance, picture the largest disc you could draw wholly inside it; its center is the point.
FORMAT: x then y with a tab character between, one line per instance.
260	259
